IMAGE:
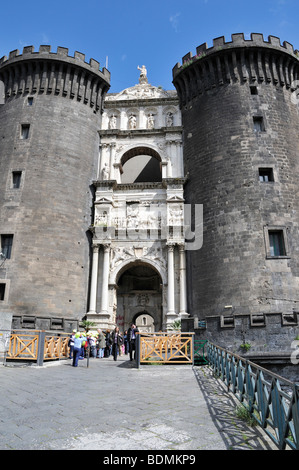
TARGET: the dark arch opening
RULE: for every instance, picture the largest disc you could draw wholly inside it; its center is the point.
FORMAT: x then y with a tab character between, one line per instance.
139	296
139	277
141	165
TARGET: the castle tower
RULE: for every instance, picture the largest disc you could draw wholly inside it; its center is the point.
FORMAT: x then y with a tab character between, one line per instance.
50	114
241	149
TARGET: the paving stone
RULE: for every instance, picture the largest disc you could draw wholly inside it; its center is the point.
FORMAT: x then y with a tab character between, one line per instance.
109	406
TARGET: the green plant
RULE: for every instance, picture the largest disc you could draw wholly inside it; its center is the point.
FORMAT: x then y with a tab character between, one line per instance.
176	325
86	324
243	413
153	363
245	346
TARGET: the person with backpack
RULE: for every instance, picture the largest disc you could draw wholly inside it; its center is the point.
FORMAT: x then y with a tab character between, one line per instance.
71	343
132	340
101	343
79	342
117	341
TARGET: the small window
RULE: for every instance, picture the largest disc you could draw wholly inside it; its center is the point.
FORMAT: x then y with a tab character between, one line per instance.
6	245
253	90
2	92
276	242
2	291
266	175
25	131
258	124
16	179
30	101
57	323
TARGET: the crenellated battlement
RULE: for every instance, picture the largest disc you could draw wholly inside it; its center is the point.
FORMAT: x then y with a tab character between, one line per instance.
61	54
253	60
238	40
54	73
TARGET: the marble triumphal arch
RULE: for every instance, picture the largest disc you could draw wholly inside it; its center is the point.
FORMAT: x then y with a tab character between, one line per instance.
138	260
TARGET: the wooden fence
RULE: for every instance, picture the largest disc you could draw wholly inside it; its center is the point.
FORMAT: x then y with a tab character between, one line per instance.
36	345
165	348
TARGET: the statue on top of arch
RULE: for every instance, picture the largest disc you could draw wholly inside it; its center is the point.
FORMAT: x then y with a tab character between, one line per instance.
143	90
143	75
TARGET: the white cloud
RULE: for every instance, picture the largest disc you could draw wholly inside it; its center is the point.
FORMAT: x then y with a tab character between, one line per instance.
45	39
174	21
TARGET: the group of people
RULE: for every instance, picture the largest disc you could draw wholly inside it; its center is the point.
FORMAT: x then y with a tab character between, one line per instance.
102	344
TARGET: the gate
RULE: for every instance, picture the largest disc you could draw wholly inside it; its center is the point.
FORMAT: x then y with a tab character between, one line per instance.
200	355
165	348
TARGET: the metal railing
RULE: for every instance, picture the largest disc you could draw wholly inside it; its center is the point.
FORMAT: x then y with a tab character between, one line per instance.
270	399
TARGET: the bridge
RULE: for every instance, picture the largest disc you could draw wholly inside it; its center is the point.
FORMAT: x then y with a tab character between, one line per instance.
271	401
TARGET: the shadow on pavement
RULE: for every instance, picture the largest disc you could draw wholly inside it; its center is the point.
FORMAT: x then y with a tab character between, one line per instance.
222	405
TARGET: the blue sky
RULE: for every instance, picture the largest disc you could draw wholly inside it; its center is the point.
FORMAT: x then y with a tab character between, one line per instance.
131	33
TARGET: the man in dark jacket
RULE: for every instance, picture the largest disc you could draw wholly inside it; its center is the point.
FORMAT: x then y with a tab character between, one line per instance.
132	340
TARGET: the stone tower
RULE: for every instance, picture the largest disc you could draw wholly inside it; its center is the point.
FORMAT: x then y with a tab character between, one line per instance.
50	113
241	149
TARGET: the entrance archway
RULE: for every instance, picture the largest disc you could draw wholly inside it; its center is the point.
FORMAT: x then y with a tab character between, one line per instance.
139	297
144	322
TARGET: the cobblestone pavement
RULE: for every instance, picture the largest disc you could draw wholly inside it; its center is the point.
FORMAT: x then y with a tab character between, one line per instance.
112	405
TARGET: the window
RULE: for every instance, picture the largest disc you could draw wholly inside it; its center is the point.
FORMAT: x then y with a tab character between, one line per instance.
6	245
2	93
266	175
25	131
258	124
2	291
30	101
16	179
253	90
276	243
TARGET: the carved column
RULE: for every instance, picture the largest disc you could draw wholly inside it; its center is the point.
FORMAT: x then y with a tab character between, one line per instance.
180	159
112	158
183	282
169	159
170	289
105	283
94	279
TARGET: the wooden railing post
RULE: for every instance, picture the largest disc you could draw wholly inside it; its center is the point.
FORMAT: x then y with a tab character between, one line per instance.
41	348
192	352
